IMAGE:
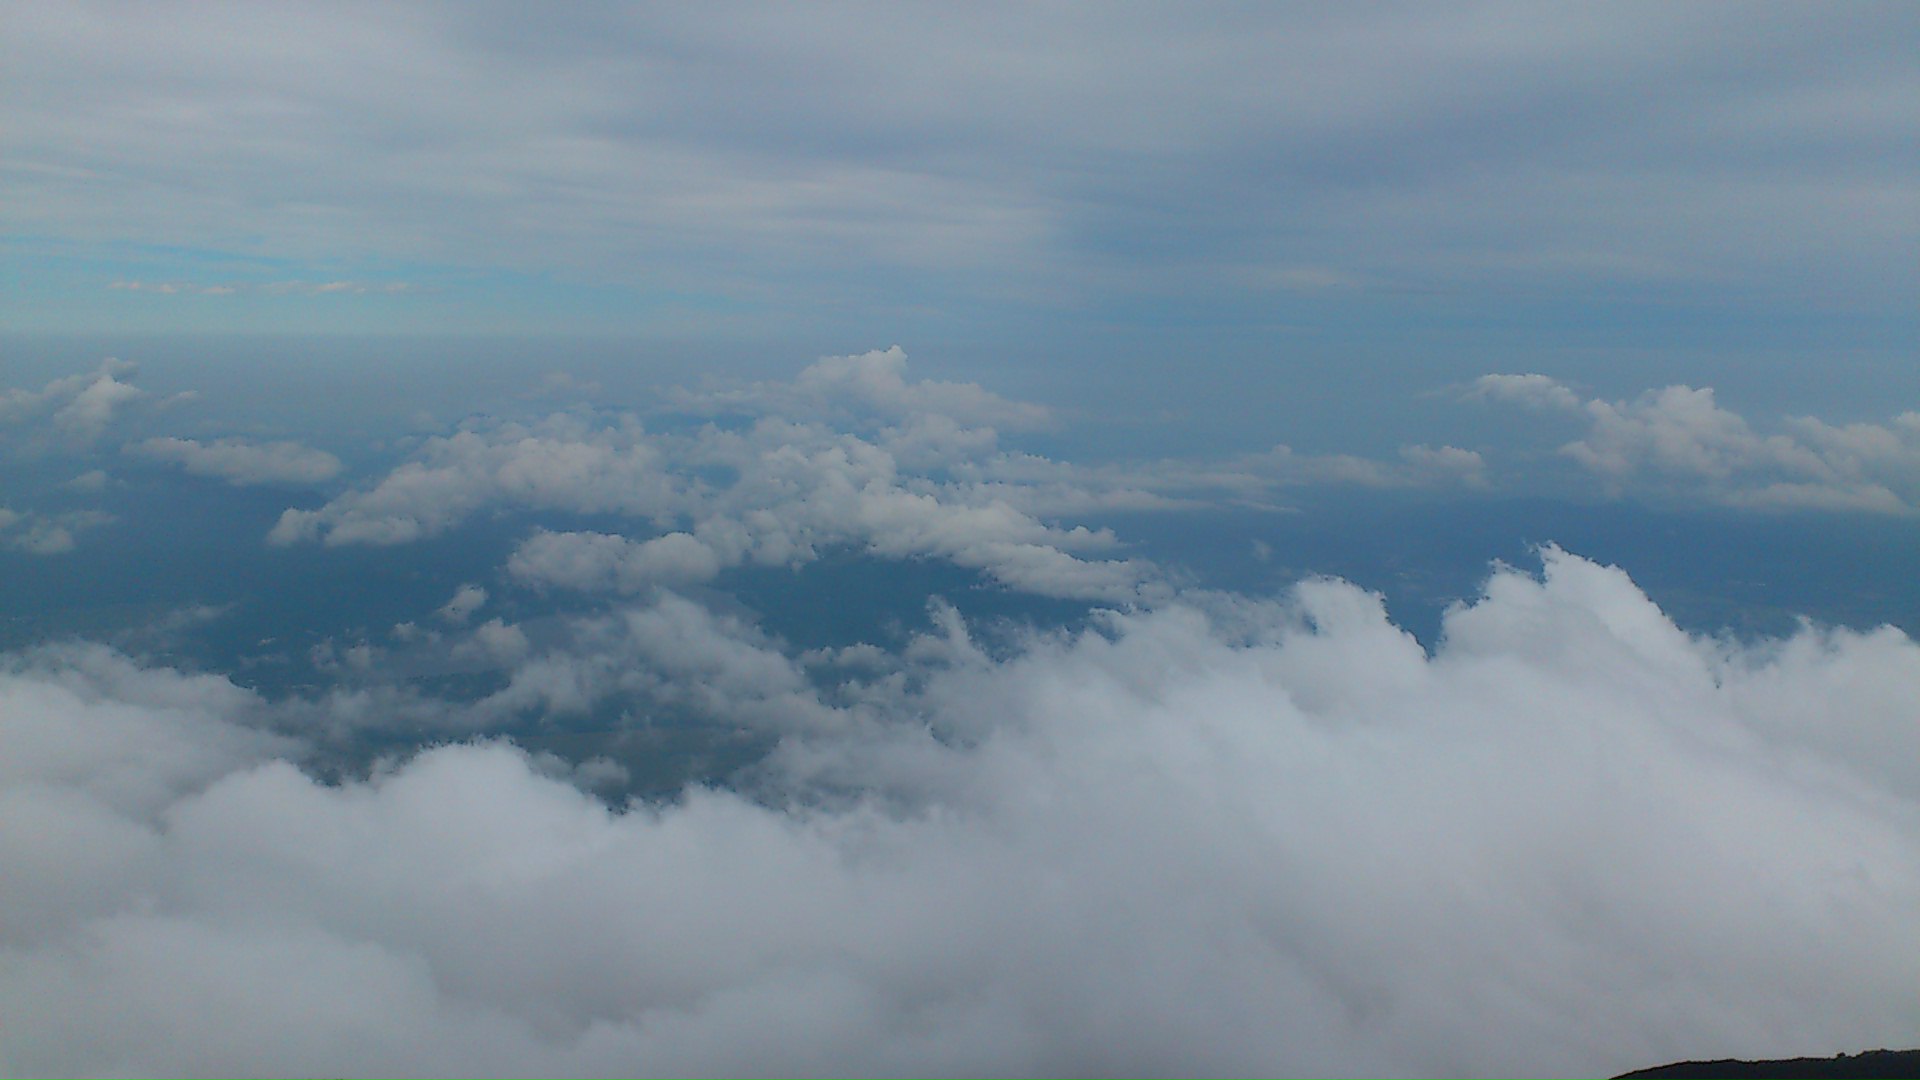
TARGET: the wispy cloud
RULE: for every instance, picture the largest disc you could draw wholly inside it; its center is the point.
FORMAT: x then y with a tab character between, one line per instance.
241	462
276	288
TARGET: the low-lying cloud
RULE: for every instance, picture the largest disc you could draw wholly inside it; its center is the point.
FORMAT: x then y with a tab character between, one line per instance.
1678	441
75	408
38	533
849	455
1226	835
243	463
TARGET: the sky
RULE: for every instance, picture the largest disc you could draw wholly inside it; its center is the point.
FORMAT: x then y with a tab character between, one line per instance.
1254	180
939	540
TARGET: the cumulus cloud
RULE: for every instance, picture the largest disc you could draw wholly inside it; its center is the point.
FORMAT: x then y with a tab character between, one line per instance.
500	641
93	480
1540	391
776	491
243	463
602	562
1224	836
671	655
39	533
466	600
1679	440
76	407
564	462
905	469
1444	464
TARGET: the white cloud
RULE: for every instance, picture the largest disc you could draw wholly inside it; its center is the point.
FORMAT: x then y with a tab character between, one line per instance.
1226	836
602	562
75	407
1678	440
1540	391
1444	464
89	412
870	384
240	462
494	643
917	476
777	492
669	653
93	480
466	600
39	533
562	463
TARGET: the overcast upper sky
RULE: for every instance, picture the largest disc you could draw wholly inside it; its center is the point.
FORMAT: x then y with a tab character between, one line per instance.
1370	176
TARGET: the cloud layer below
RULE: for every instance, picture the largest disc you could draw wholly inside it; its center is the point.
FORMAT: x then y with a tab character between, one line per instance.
1227	835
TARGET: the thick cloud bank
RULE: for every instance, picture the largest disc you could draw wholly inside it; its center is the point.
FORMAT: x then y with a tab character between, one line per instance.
1223	836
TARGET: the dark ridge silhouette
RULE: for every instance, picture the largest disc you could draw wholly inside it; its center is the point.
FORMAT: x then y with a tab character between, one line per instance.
1872	1063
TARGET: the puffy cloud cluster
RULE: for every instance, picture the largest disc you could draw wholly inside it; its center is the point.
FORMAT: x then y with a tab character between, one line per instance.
850	454
564	463
75	407
240	462
668	655
1679	440
773	492
1225	836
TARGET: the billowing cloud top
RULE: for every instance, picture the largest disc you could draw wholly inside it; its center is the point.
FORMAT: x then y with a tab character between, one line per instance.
78	407
1233	837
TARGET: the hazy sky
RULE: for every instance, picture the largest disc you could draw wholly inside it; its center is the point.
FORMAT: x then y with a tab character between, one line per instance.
1238	179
